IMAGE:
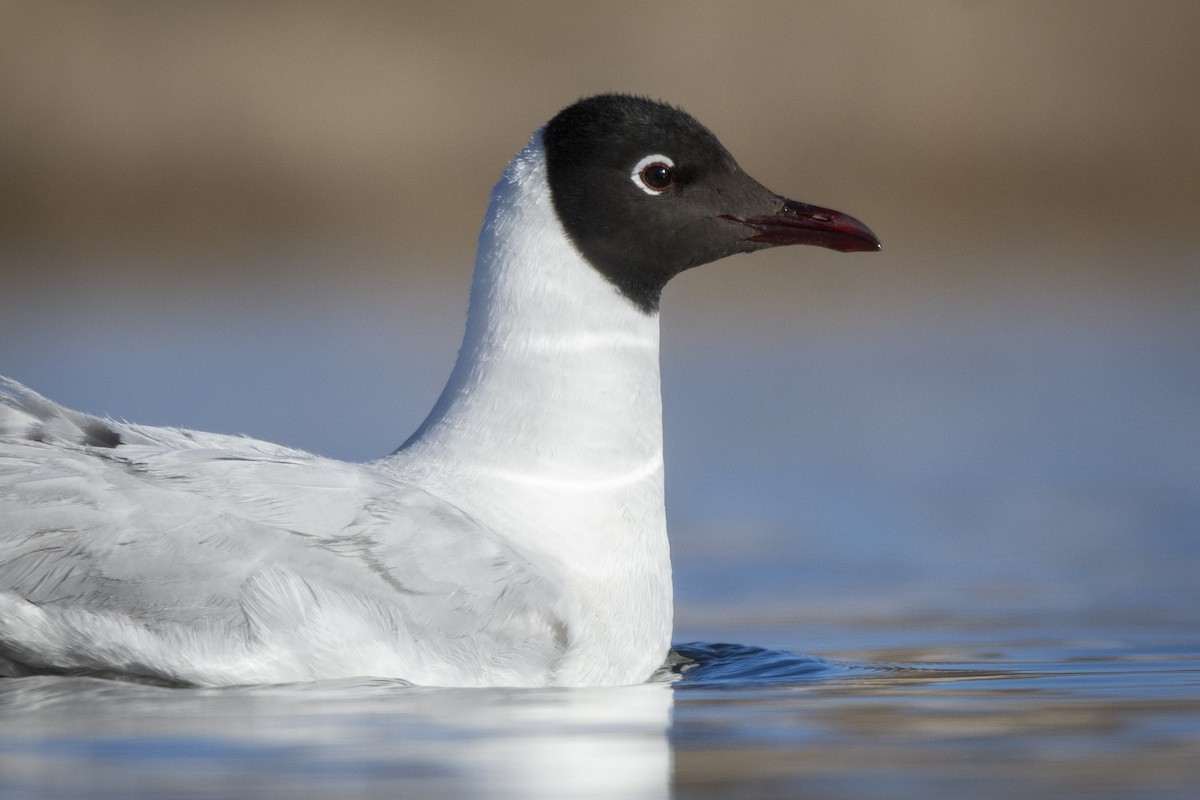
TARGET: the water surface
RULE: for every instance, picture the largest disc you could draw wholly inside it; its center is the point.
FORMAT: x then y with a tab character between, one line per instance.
956	551
1094	719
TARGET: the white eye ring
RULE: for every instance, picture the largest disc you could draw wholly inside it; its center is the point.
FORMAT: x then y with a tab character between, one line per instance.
636	174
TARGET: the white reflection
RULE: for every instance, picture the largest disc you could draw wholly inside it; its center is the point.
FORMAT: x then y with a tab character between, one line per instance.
66	736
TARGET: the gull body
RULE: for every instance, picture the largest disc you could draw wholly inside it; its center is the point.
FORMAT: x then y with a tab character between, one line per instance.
519	536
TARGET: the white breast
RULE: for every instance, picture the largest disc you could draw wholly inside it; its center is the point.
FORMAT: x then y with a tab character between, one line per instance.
550	430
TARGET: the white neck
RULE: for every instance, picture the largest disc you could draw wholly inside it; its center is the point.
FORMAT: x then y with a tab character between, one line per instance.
550	428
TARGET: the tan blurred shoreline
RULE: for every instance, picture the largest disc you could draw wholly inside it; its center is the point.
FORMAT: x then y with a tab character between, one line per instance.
163	138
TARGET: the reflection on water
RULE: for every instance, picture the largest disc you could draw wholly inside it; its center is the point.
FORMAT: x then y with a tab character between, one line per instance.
79	737
734	724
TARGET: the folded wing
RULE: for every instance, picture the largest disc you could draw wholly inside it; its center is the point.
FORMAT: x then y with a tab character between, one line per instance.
185	557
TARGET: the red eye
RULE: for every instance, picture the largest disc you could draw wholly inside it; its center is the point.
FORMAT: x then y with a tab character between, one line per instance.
657	176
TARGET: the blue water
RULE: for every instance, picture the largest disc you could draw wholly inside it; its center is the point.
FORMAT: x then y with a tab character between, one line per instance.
955	547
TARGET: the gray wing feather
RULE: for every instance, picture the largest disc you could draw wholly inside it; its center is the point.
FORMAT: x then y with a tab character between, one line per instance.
200	558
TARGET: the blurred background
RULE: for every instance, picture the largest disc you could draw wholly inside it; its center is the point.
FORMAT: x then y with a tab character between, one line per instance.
260	218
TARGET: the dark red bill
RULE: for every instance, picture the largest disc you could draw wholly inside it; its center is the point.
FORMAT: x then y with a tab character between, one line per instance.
800	223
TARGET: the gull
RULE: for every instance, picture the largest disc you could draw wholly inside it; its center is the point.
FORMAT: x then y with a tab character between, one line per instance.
519	536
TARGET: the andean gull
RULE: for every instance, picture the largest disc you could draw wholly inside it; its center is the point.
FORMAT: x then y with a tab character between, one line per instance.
518	538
